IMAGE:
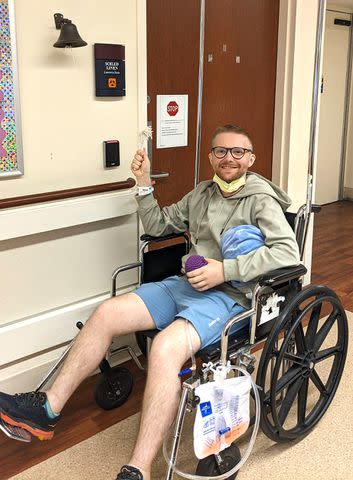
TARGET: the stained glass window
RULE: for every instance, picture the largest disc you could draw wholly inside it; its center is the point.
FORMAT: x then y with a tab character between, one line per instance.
10	131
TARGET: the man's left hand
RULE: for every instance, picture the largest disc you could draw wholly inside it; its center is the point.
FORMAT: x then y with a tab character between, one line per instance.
208	276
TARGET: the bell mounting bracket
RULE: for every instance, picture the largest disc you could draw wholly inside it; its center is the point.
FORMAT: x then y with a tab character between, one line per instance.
59	20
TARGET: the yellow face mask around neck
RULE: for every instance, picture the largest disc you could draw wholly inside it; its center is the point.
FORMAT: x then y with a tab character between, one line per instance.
229	187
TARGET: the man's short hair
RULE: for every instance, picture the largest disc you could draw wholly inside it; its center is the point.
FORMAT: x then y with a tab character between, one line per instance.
232	129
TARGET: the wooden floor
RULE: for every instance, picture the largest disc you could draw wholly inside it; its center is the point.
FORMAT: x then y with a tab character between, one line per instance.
333	250
82	418
332	266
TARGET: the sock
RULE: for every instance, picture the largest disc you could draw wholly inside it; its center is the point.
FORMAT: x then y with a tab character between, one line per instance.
49	411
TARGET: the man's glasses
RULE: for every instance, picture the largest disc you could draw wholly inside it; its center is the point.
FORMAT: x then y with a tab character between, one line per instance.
236	152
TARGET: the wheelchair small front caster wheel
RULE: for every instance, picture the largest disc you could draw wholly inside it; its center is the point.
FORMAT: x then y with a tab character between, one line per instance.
210	467
113	388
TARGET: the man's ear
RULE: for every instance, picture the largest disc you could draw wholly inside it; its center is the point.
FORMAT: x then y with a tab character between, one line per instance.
210	158
252	160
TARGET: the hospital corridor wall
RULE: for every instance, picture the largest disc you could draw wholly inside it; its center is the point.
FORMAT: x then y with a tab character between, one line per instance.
56	257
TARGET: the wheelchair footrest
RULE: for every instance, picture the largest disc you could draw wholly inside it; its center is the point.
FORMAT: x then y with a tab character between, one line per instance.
16	433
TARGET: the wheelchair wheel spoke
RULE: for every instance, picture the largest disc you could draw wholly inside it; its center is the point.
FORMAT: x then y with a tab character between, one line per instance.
314	376
302	401
288	378
288	400
293	358
327	353
313	324
266	398
324	330
300	339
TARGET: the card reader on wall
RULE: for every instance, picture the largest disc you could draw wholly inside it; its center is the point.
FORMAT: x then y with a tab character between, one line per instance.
111	153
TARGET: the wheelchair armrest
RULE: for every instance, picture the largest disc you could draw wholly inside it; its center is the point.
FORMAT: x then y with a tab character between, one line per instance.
281	275
150	238
122	268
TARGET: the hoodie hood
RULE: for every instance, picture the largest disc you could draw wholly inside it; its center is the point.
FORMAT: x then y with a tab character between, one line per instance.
256	184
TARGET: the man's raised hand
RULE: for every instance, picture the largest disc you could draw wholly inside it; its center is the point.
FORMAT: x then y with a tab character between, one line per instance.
141	168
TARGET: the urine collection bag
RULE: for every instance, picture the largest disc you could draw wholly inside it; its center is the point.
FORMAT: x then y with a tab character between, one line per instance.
222	416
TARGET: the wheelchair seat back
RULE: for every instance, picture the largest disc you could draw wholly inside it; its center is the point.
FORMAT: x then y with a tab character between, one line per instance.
162	263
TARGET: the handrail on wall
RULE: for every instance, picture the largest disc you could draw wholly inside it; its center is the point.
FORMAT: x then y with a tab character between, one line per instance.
68	193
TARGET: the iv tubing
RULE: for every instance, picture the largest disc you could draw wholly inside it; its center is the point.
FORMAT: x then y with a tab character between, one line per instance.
192	354
248	450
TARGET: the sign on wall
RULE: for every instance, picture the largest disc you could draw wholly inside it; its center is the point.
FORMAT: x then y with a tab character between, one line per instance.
11	161
172	121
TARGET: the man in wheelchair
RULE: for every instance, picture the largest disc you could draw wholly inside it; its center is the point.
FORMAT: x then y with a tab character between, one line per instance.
190	310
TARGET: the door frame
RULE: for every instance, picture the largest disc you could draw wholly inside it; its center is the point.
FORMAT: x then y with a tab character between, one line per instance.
346	108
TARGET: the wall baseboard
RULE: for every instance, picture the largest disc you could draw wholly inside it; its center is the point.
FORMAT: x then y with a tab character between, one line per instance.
27	375
348	193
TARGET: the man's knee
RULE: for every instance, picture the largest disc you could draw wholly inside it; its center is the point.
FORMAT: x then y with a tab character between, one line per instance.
109	309
126	313
167	348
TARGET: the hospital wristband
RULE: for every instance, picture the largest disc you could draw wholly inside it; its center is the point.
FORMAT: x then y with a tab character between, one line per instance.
144	190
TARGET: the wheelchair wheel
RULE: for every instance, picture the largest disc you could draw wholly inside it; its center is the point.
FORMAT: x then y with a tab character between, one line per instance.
113	388
209	467
300	353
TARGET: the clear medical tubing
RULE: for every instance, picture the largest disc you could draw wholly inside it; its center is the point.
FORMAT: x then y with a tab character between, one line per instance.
248	450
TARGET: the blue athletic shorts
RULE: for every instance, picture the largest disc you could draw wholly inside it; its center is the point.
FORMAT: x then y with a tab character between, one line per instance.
174	298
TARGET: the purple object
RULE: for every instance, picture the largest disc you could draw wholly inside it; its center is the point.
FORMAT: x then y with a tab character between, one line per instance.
193	262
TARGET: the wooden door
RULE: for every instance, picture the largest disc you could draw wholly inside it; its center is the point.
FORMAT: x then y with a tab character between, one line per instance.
243	93
173	31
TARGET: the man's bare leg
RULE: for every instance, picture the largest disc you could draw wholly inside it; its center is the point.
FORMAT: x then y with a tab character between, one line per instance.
170	350
116	316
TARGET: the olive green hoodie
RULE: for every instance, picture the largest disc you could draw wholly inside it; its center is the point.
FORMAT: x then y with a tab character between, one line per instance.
207	214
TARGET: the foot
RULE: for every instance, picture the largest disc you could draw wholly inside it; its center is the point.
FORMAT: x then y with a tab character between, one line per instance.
27	411
128	472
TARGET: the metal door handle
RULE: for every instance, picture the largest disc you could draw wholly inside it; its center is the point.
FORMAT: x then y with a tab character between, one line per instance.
155	174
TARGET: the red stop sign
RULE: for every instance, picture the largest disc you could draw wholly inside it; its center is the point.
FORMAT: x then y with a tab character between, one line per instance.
172	108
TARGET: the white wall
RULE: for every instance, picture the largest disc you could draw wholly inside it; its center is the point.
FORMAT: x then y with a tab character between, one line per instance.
56	258
39	316
347	6
332	114
64	124
341	5
348	174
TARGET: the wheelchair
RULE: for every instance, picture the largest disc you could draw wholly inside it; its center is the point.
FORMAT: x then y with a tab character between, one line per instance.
298	351
284	320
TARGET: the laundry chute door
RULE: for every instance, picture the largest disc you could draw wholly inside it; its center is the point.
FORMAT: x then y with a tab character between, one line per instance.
240	74
173	31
